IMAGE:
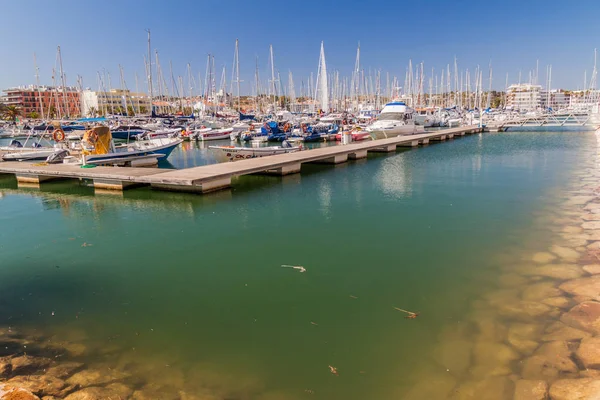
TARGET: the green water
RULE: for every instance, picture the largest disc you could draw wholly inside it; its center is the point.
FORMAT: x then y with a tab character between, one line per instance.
191	288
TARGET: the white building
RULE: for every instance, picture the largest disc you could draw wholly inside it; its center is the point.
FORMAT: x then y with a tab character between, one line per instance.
115	101
581	99
524	97
556	99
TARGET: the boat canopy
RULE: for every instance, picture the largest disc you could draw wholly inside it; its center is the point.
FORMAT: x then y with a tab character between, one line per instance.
99	119
97	140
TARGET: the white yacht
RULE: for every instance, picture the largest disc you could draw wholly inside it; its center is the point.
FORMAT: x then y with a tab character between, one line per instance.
395	119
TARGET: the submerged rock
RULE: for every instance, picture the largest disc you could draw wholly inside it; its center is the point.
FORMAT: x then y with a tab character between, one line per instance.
565	253
591	225
9	393
575	389
490	388
489	329
592	269
5	367
25	365
521	336
543	257
492	359
589	352
112	391
585	316
540	291
559	302
555	271
64	370
531	390
551	361
559	331
93	377
588	287
572	229
524	310
42	385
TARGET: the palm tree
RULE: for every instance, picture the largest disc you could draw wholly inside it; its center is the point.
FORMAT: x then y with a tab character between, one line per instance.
143	110
11	113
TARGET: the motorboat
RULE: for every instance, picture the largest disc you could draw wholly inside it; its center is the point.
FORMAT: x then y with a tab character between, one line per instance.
98	147
395	119
215	134
233	153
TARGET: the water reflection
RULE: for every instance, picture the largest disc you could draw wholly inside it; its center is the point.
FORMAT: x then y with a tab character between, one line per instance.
394	178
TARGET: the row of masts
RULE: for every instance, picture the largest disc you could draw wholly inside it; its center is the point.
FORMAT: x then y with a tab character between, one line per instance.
329	91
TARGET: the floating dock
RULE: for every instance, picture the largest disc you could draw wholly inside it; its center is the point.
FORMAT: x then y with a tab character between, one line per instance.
213	177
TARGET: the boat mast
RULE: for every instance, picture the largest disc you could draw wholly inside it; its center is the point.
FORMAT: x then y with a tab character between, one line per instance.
237	74
137	91
37	80
149	69
273	87
62	77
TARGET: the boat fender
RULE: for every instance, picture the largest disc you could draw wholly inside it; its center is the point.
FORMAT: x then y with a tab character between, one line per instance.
58	135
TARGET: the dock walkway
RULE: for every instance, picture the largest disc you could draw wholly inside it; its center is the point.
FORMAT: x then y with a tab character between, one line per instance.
212	177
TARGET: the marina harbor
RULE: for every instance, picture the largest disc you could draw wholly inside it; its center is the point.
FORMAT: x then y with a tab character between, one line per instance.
300	200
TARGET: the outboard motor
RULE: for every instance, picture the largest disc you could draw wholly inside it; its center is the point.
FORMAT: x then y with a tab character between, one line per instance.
57	157
15	143
286	144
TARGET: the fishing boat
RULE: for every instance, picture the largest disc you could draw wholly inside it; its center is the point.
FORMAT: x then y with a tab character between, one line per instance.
395	119
233	153
98	147
215	134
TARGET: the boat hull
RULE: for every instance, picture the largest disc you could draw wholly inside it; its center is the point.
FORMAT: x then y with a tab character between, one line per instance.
230	153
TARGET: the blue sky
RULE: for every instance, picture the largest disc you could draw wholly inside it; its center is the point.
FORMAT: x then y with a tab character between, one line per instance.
103	34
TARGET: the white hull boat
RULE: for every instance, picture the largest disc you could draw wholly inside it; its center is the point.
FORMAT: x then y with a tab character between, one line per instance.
232	153
395	119
215	134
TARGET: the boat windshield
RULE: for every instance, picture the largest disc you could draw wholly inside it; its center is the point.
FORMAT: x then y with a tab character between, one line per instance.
391	117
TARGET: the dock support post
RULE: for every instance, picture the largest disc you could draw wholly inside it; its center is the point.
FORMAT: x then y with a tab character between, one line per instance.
104	184
385	149
337	159
285	170
33	178
440	138
202	187
451	136
412	143
357	155
425	141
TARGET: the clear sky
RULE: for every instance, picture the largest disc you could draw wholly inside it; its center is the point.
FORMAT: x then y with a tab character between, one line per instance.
97	35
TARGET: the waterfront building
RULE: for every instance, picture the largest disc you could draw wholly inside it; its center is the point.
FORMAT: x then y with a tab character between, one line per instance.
524	97
556	99
43	101
115	101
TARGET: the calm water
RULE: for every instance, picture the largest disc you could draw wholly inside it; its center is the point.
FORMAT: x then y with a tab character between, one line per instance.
191	288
